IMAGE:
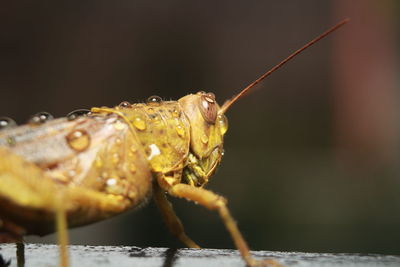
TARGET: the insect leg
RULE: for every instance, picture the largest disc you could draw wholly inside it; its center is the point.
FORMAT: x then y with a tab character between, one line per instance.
33	189
20	254
171	220
89	201
213	201
9	232
62	232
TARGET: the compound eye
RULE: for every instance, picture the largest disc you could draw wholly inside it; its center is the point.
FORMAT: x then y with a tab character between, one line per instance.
208	107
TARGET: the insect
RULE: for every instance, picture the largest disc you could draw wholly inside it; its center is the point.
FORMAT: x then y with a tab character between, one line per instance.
91	165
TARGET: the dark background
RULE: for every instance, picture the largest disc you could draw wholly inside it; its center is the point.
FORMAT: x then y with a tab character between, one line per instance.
312	155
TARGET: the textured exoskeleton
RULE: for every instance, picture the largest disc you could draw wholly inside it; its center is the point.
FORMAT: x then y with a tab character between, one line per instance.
80	169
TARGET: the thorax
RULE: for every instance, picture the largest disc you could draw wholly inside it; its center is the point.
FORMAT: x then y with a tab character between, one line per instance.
164	132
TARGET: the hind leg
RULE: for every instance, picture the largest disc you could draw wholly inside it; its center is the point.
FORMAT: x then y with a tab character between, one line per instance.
62	233
26	186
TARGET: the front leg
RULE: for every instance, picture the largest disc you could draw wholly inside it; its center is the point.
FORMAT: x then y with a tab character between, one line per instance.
213	201
171	220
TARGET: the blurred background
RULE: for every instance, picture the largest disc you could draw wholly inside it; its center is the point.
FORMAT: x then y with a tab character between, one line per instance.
312	156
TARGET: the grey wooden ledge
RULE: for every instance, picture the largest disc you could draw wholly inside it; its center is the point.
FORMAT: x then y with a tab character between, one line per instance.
87	256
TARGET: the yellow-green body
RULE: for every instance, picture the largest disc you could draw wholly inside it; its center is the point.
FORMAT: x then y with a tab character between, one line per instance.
119	154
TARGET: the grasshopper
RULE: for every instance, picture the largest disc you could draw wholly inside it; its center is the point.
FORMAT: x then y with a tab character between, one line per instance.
92	165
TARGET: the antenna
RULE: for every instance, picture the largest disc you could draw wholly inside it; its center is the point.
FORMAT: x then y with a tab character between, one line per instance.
228	103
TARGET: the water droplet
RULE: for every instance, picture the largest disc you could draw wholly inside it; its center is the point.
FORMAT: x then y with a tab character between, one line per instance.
125	104
154	100
176	113
6	122
223	124
11	141
133	148
204	139
98	162
115	158
132	168
77	113
139	124
40	117
180	131
78	140
118	125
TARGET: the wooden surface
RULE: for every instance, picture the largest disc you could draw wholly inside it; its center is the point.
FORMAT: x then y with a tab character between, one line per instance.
99	256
